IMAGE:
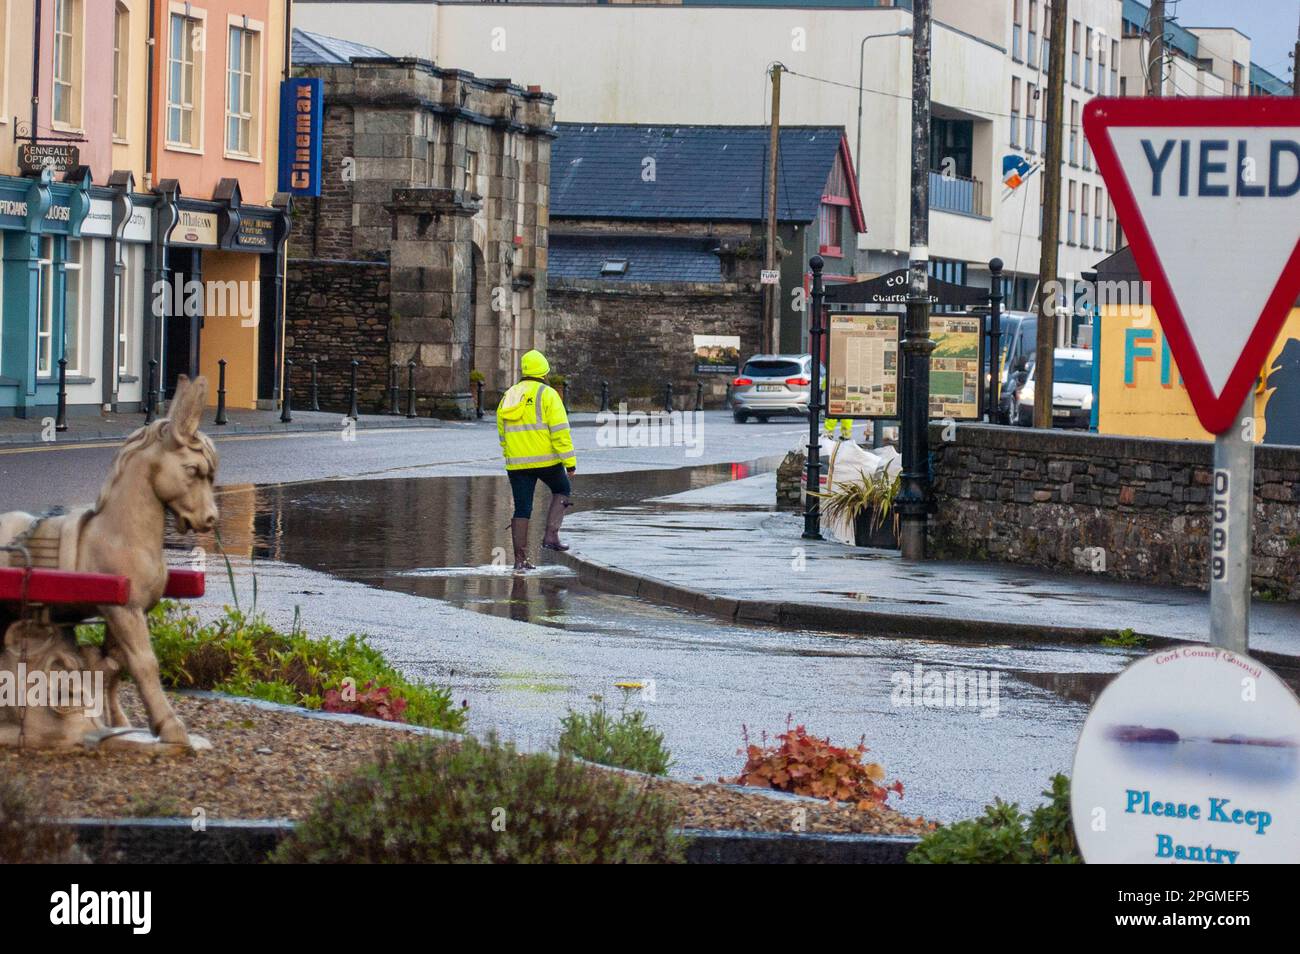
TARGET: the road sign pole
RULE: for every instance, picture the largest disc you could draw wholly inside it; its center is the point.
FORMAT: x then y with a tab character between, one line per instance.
1233	489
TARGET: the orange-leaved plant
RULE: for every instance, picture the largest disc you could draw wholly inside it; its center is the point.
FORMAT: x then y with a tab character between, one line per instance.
804	764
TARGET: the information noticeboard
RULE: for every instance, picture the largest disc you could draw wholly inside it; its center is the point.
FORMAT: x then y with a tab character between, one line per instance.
956	391
863	355
862	365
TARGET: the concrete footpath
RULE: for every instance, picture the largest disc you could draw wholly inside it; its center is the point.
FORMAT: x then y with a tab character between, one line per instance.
110	428
724	551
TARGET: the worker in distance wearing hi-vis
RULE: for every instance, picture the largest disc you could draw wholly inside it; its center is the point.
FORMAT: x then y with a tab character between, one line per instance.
536	443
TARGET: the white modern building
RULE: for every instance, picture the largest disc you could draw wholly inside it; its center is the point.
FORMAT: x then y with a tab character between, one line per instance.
687	62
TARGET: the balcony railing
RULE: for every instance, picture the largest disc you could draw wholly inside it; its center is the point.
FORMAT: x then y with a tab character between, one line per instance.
956	194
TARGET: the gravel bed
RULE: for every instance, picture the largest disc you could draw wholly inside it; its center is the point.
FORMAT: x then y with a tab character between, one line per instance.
269	764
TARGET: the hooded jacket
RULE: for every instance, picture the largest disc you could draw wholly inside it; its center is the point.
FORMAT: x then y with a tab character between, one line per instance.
533	427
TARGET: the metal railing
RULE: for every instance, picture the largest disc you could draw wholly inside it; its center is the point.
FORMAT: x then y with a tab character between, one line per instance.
956	194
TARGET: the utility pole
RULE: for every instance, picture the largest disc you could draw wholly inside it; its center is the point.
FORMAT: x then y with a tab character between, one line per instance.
1295	62
772	300
1048	287
913	496
1156	52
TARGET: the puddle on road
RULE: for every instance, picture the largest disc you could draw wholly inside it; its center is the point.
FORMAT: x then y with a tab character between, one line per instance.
447	538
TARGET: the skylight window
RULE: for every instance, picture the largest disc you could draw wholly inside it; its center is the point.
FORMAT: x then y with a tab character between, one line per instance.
614	266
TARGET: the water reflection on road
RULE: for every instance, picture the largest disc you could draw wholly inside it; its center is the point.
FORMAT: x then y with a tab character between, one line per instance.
442	539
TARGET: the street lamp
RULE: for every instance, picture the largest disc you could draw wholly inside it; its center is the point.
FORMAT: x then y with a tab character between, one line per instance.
862	52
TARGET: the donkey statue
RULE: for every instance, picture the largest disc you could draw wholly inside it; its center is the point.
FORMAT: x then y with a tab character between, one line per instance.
166	465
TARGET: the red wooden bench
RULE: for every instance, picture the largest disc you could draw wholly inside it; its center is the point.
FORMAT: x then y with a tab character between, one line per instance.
102	589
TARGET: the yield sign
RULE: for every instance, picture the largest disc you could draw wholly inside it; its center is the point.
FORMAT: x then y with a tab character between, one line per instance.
1208	193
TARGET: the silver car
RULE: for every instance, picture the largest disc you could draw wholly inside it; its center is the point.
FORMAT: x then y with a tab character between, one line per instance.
770	385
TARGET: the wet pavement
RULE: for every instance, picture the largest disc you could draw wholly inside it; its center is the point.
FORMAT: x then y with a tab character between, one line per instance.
410	561
722	542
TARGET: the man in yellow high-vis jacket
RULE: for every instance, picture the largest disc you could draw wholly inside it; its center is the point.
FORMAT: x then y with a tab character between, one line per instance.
536	443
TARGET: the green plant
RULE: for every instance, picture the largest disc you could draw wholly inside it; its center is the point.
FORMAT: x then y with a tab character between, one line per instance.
871	494
155	806
1125	639
477	377
1005	835
626	741
26	836
806	765
245	656
483	802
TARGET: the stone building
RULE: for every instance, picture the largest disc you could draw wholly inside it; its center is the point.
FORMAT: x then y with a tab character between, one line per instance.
428	241
658	235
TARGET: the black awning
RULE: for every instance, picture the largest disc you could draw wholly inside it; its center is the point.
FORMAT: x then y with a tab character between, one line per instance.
891	289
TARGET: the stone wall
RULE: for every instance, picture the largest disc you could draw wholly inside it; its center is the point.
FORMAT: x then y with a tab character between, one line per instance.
640	335
1130	508
336	311
400	126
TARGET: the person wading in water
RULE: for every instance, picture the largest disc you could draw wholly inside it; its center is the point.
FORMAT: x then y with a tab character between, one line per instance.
536	443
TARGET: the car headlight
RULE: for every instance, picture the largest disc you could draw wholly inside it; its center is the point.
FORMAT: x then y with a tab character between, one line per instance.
1087	401
1027	394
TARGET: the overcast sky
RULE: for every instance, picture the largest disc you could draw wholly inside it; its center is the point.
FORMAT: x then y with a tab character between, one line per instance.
1270	24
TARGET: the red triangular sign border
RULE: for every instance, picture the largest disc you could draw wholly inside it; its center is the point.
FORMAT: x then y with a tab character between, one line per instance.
1216	412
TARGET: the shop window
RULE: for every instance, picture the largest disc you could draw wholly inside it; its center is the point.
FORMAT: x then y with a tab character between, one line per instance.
243	94
72	306
45	311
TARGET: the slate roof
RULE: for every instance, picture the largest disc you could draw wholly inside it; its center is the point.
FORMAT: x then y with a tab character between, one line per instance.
316	49
712	173
649	258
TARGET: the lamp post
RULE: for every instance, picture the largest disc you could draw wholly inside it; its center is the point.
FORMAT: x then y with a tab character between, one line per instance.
862	53
812	529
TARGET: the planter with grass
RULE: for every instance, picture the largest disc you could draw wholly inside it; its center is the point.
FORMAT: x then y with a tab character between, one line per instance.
869	504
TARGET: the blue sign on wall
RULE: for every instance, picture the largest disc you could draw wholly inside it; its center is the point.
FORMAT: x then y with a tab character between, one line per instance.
301	119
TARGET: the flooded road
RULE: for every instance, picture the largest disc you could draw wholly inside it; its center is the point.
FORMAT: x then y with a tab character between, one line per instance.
410	561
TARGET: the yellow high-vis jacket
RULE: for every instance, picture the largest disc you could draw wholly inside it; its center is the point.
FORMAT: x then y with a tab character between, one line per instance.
533	427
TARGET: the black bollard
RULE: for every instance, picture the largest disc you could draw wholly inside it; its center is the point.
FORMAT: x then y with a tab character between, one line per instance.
221	393
394	398
604	395
286	397
699	395
150	394
478	400
668	396
61	415
410	389
564	392
315	391
353	412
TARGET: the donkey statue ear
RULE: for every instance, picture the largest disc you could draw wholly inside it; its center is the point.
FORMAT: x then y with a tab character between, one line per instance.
187	407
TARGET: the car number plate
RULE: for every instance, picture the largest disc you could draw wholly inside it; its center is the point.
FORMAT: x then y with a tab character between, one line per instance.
1060	412
770	387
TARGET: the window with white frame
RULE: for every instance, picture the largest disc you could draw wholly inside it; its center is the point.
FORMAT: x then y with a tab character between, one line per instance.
45	310
184	81
1015	110
243	95
65	109
121	70
73	326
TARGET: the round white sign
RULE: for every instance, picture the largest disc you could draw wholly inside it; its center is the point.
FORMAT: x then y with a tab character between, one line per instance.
1191	755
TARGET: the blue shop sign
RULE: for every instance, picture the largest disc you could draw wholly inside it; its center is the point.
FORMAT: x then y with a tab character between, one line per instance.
301	118
13	208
